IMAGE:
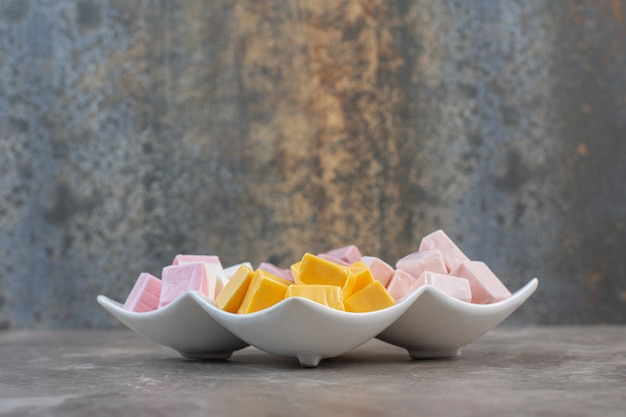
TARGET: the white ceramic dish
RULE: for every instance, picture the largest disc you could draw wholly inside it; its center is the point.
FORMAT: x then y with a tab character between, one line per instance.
306	330
428	323
437	325
181	325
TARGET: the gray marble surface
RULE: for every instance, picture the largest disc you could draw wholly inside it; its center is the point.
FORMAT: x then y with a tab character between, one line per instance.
515	371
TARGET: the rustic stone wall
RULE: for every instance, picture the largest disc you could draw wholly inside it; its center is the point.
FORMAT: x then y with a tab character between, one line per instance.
133	130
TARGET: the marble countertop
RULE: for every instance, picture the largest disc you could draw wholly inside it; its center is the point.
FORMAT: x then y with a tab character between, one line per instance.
511	371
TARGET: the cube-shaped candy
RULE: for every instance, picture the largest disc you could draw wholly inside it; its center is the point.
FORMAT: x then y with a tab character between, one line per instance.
176	279
381	270
332	259
452	255
401	284
456	287
273	269
145	294
373	297
222	278
328	295
232	295
264	291
295	270
232	270
213	265
348	254
362	276
485	285
417	262
185	259
315	270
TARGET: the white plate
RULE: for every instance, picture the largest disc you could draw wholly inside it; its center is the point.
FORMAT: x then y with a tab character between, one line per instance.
300	328
437	325
428	323
181	325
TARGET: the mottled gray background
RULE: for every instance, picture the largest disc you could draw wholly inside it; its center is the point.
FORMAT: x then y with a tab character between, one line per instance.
133	130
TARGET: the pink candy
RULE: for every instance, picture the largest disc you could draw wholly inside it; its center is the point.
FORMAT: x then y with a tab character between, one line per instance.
381	270
347	254
177	279
418	262
332	259
211	262
452	255
273	269
145	294
456	287
401	284
185	259
187	273
440	263
485	286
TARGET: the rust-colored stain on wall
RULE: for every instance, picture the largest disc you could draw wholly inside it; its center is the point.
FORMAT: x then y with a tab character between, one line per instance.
321	80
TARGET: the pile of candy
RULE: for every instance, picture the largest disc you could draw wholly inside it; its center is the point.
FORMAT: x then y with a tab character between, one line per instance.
342	279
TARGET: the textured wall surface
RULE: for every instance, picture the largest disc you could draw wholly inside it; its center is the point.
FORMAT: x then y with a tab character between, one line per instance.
133	130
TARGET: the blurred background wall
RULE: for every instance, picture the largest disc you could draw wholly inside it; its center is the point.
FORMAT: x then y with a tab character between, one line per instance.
133	130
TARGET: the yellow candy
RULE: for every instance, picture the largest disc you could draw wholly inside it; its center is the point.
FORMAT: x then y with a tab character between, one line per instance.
264	291
315	270
231	297
295	269
362	277
373	297
328	295
350	288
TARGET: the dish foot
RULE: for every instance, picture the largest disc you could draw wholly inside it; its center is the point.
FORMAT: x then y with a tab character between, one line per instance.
309	360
